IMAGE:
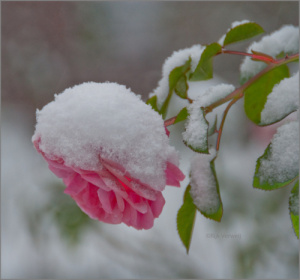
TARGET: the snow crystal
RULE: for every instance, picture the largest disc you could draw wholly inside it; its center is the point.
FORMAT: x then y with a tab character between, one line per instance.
203	184
282	163
233	25
196	126
178	58
105	119
286	40
283	100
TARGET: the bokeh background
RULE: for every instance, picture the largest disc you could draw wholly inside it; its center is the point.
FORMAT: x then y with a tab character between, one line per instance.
49	46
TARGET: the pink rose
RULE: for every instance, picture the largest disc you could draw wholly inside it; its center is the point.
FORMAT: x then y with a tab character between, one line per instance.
113	178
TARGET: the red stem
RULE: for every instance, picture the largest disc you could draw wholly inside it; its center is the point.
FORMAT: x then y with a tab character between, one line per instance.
261	57
223	120
170	121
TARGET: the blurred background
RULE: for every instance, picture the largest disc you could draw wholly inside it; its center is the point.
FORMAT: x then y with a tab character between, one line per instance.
49	46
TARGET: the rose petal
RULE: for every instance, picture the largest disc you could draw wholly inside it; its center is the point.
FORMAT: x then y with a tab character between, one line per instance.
105	200
110	194
174	175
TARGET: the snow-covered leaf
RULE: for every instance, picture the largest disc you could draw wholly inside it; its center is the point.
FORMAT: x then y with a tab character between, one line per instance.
279	165
285	40
242	32
204	69
186	219
175	77
256	94
182	115
178	73
294	208
213	93
196	130
196	127
177	59
205	187
282	101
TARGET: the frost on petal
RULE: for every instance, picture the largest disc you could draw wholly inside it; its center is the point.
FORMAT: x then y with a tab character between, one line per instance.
178	58
282	162
233	25
283	100
285	40
203	184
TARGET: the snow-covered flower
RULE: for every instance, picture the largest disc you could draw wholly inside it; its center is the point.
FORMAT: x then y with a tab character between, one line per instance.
111	150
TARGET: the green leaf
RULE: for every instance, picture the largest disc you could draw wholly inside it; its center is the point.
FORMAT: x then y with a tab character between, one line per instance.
174	77
182	115
212	129
182	87
164	108
204	69
217	216
153	103
261	181
177	75
294	208
186	219
271	113
256	94
242	32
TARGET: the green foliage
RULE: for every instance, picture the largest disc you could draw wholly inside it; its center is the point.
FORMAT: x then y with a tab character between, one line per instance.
177	83
261	181
177	73
153	103
212	128
69	218
294	208
182	115
204	69
182	87
164	108
186	219
255	90
256	94
242	32
216	216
